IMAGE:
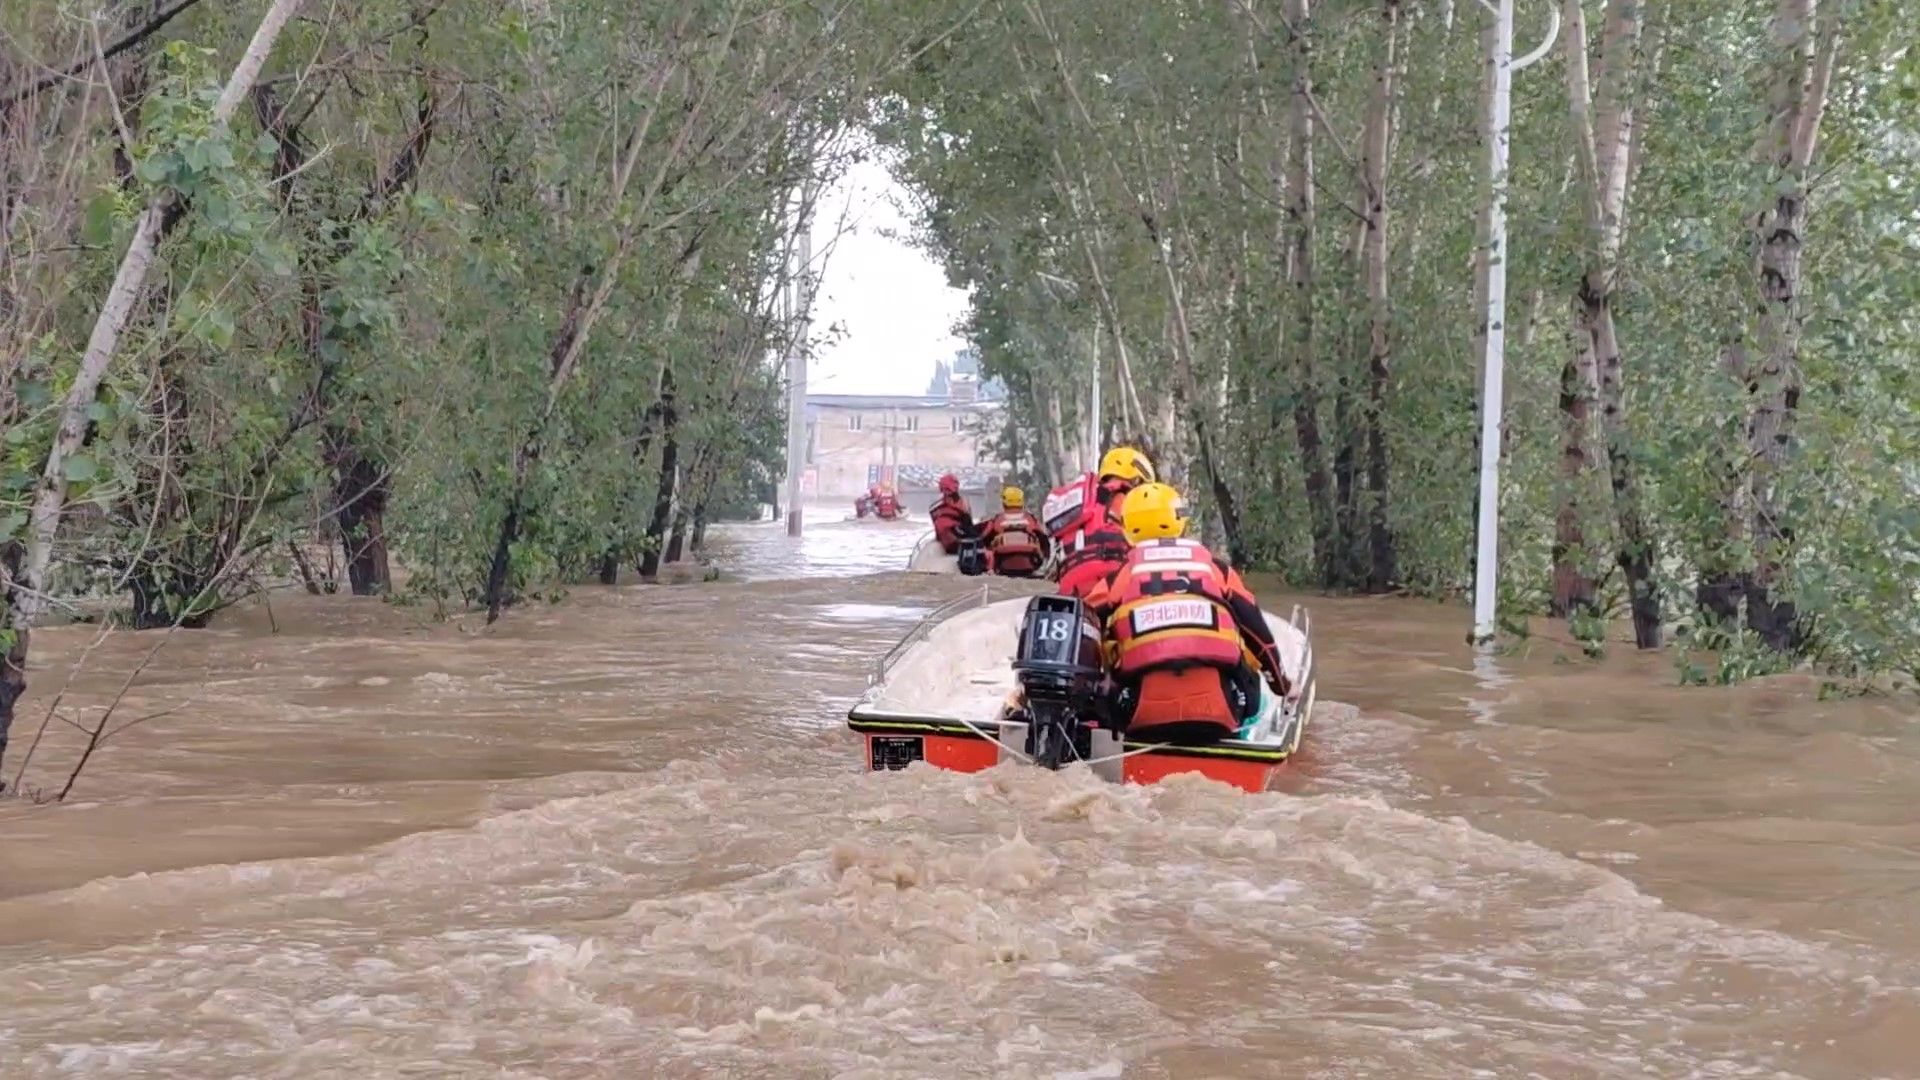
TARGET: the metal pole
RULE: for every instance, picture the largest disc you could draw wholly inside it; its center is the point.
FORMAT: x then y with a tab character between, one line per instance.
799	313
1487	558
1486	561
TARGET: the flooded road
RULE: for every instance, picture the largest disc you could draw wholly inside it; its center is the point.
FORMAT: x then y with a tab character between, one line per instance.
627	835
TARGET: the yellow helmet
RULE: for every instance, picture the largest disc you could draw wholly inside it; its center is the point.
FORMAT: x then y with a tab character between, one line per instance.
1012	498
1153	511
1126	463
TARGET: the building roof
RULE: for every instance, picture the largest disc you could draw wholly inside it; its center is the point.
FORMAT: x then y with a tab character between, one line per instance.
886	401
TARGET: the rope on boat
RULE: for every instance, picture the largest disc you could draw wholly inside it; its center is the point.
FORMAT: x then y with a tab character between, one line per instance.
1125	754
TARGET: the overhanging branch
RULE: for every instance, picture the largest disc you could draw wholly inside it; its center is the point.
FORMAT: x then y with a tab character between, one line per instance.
127	41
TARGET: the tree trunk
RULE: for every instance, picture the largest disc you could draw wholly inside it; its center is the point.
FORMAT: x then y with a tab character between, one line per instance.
1805	59
1722	587
677	539
1052	427
1300	225
697	543
13	647
1574	589
360	506
1348	570
561	355
1603	135
1382	572
617	552
1639	552
1775	395
655	541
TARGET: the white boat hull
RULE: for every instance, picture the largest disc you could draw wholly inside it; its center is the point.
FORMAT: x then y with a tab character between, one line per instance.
929	558
939	694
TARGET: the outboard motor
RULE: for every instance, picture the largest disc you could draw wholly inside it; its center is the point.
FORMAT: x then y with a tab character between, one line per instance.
972	556
1060	667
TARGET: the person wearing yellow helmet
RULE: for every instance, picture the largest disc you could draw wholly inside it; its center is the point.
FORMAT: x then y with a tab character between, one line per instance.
1083	517
1187	639
1126	463
1016	545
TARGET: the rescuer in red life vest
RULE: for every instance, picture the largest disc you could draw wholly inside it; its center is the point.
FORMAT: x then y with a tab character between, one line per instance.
1083	518
1016	546
1186	639
952	517
885	505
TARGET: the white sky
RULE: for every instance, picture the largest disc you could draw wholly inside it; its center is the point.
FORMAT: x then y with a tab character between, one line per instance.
890	300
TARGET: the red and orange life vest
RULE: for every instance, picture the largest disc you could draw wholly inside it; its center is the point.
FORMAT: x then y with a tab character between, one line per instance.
1013	538
1167	607
950	516
1083	517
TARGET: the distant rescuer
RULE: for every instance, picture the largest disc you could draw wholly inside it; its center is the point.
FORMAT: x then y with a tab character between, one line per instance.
1083	517
952	517
1016	546
1186	640
878	501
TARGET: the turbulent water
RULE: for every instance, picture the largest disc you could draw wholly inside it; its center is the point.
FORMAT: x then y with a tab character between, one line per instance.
627	835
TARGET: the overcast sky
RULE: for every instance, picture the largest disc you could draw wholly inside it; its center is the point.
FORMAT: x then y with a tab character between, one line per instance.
892	303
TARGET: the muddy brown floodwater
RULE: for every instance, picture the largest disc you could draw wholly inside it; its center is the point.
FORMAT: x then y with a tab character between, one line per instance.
628	836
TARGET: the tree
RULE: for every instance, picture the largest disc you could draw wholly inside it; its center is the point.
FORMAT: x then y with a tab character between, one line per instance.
1604	147
26	585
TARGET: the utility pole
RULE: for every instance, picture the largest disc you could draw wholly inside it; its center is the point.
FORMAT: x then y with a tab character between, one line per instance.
1486	566
799	304
1093	411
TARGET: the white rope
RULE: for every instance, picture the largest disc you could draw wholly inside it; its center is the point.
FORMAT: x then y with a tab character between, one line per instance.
995	738
1122	756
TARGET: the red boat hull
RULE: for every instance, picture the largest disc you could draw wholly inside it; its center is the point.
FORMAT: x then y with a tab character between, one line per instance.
895	744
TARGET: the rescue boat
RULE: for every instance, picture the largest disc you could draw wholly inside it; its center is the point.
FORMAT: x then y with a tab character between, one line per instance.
930	558
937	697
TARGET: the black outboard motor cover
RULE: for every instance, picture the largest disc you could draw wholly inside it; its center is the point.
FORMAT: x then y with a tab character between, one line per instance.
1059	658
973	557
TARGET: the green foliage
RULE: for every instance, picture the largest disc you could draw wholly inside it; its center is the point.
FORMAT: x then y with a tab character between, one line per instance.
1042	136
369	273
352	326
